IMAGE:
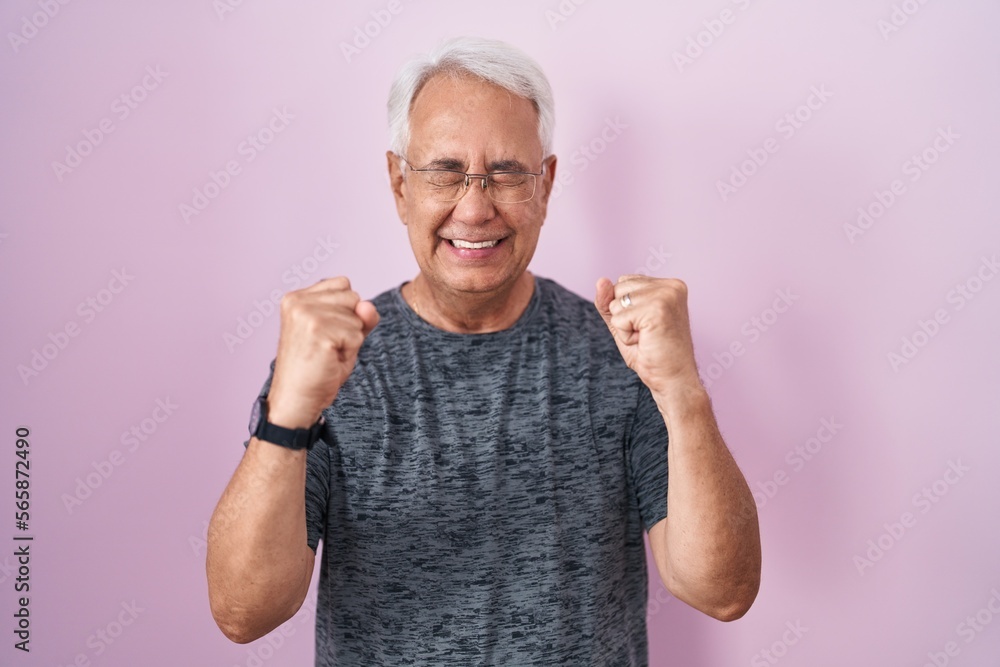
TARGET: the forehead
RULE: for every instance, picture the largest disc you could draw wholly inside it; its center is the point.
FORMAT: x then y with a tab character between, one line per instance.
465	117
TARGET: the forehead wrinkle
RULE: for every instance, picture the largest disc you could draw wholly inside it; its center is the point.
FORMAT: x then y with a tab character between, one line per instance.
442	134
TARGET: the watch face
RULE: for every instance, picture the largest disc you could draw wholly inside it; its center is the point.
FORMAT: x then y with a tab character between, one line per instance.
255	417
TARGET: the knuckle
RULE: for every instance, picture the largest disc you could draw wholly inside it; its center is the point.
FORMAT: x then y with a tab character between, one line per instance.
348	340
290	302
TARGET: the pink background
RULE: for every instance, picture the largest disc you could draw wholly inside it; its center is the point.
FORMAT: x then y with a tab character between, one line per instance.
650	191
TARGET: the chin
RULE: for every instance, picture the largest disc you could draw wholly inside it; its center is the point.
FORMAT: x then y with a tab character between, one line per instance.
478	281
477	284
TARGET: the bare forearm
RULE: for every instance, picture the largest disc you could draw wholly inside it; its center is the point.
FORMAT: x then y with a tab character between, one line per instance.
259	564
713	560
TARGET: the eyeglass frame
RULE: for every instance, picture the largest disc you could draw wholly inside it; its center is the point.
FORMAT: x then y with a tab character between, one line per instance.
485	179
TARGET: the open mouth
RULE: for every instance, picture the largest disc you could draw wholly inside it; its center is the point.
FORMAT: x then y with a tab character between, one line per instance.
474	245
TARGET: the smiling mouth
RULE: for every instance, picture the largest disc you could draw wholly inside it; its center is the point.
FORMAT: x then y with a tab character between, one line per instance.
470	245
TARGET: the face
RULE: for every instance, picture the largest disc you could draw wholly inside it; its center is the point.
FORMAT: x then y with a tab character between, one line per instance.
466	124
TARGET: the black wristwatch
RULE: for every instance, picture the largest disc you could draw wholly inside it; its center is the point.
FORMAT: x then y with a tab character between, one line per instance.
292	438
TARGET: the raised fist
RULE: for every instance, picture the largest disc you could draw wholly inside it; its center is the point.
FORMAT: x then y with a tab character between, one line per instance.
322	329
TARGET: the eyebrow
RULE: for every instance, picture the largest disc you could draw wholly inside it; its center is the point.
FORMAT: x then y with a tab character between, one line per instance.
507	165
445	163
457	165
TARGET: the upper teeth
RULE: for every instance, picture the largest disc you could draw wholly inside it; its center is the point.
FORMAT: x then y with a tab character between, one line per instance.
459	243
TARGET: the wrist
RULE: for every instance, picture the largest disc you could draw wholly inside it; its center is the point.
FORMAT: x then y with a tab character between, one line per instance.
676	400
291	412
687	385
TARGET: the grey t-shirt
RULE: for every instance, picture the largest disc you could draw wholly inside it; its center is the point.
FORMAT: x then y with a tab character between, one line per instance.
481	497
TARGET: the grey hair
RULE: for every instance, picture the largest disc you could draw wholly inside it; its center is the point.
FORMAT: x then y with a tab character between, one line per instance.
491	60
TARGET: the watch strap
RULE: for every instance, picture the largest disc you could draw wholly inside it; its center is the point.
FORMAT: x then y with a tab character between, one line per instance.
292	438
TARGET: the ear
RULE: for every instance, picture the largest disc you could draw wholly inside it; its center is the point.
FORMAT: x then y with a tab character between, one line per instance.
548	178
397	183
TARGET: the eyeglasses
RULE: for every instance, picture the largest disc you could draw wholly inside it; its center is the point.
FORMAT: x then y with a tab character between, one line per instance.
503	187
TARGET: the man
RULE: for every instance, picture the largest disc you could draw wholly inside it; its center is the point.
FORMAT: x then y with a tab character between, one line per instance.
486	447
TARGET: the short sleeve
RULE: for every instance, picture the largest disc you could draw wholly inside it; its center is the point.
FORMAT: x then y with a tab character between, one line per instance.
647	459
263	392
317	481
317	492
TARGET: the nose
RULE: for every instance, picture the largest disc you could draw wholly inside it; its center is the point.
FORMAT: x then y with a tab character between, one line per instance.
475	206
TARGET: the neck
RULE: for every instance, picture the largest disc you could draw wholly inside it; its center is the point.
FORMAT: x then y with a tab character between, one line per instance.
464	312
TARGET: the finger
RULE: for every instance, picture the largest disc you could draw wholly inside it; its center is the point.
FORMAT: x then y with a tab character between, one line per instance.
624	328
343	326
631	278
299	304
337	283
369	316
635	295
340	298
629	285
602	301
616	306
347	343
